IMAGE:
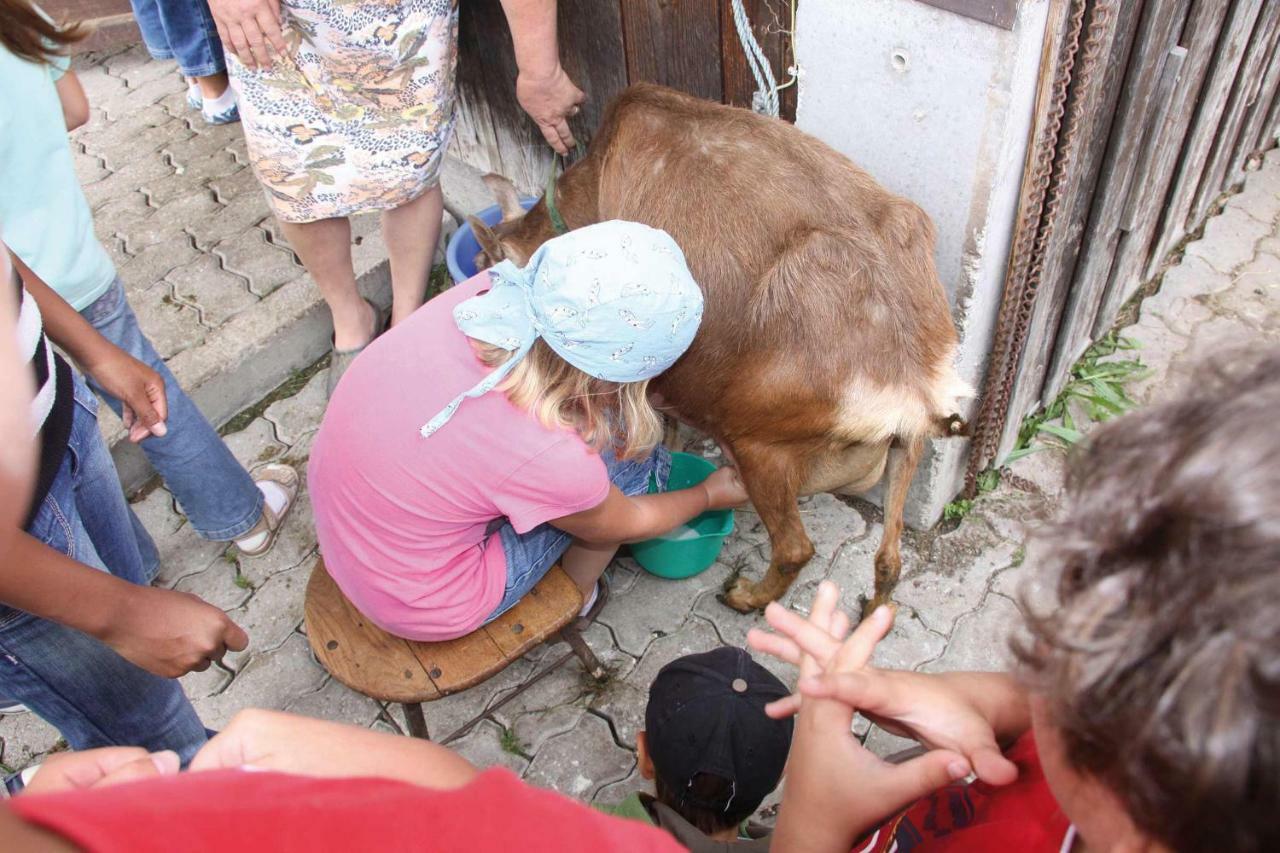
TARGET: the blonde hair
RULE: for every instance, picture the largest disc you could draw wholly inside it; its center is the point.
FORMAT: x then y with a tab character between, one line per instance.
606	414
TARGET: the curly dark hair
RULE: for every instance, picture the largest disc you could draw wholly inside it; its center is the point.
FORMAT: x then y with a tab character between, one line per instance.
1160	659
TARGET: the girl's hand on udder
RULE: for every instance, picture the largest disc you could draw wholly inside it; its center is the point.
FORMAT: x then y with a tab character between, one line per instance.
725	489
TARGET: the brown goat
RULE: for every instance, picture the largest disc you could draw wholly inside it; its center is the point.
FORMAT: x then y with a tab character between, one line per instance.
825	352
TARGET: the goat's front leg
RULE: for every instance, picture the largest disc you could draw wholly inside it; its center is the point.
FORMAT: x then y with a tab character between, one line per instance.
773	476
903	461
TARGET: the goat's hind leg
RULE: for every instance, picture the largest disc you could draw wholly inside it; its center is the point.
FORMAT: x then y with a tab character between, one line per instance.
904	458
773	477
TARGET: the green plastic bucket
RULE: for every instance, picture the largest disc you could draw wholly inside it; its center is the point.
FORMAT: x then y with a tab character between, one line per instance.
696	548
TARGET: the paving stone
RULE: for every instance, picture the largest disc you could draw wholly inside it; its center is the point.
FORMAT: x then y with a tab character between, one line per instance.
153	263
335	701
216	293
144	94
97	83
238	182
216	584
270	680
1179	314
256	444
88	167
119	213
239	149
157	513
237	216
201	685
548	707
137	73
483	747
271	613
1258	200
265	266
296	416
177	184
172	327
623	701
184	553
953	579
616	792
25	739
981	639
654	607
1220	337
115	251
910	644
126	179
580	762
1191	278
169	227
210	141
122	140
1229	240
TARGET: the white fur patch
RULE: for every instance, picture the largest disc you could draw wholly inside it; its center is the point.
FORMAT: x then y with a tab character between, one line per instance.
875	413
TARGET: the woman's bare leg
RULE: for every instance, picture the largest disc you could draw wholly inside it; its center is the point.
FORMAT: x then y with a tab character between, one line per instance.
411	233
325	249
585	563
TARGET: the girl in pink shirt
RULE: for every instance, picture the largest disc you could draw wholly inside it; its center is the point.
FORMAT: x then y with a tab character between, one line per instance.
505	426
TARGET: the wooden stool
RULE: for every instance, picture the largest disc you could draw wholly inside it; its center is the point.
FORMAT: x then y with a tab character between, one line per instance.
382	666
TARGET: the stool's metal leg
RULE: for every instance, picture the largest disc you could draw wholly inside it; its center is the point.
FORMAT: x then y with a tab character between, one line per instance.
590	662
417	722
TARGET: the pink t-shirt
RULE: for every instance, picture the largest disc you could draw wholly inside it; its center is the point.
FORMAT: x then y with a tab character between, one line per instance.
402	519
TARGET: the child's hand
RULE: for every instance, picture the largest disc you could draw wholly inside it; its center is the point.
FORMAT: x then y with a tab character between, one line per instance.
99	768
837	789
139	389
927	708
724	489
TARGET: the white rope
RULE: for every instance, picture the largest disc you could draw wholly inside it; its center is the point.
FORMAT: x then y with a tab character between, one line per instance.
765	98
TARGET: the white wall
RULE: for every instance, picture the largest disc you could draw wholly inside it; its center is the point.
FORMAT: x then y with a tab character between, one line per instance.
938	108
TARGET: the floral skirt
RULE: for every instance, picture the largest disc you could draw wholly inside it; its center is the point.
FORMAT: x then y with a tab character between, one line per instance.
358	116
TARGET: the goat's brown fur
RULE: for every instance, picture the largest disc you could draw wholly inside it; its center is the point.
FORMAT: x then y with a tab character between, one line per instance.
824	356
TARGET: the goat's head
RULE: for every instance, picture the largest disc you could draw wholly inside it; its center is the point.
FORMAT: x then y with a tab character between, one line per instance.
520	232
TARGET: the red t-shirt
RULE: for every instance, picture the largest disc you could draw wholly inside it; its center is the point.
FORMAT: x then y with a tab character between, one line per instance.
234	810
980	818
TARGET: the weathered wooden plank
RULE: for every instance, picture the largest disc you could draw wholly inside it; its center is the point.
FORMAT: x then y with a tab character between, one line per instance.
1138	117
771	23
1087	123
1079	193
358	653
999	13
675	43
493	132
1254	133
994	415
1231	44
1199	37
1243	93
552	604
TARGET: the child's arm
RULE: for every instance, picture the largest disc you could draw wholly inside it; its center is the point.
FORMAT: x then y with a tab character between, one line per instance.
165	632
623	519
136	385
75	105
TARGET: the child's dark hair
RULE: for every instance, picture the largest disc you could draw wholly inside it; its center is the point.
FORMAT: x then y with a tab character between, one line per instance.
31	36
1160	659
705	787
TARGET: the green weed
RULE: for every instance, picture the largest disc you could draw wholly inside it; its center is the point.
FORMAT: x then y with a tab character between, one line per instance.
510	743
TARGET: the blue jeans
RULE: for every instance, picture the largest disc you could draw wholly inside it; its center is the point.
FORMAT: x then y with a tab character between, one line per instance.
217	495
181	30
531	555
89	693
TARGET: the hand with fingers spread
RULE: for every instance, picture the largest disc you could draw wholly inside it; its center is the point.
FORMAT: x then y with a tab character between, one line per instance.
250	29
837	789
99	768
551	99
971	713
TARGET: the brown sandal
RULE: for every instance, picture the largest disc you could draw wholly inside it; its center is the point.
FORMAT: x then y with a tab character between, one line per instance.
270	521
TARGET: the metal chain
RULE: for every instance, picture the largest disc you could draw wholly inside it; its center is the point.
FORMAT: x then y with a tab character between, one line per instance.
1052	165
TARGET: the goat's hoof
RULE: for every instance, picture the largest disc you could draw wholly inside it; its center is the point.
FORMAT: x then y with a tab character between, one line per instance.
741	596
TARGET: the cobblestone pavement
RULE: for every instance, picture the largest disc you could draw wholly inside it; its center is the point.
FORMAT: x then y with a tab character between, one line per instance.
959	587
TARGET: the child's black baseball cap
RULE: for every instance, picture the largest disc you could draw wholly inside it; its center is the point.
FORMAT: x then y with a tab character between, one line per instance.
706	716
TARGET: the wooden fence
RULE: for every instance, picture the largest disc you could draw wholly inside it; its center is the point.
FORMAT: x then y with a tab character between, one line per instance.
1164	104
605	45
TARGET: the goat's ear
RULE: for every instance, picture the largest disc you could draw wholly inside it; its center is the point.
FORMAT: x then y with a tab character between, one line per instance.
505	192
490	244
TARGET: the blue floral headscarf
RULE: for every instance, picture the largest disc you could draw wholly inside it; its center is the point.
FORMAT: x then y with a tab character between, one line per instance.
615	300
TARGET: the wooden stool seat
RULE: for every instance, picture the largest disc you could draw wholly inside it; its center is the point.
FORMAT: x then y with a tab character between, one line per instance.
382	666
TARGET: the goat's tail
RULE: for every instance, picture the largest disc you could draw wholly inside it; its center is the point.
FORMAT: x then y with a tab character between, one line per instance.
948	389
